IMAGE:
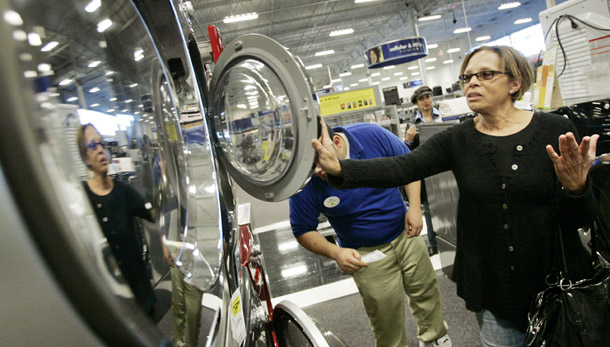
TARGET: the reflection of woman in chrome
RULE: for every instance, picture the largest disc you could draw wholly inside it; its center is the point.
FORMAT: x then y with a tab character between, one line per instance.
375	55
517	191
116	204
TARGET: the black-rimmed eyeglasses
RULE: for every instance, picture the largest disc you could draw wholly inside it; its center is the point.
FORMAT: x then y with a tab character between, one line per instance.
92	146
481	75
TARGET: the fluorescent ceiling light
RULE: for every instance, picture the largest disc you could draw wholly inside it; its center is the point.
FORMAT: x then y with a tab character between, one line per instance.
103	25
412	67
74	98
49	46
415	74
385	79
30	74
363	80
357	66
430	67
345	74
430	60
336	80
44	67
93	6
34	39
398	73
12	18
375	74
112	99
124	110
523	20
462	30
110	110
404	78
453	50
133	85
20	35
242	106
327	52
94	90
314	66
240	17
128	101
375	83
353	84
509	5
95	105
483	38
346	88
432	45
109	80
94	63
341	32
327	86
429	17
448	61
361	1
110	72
390	67
65	82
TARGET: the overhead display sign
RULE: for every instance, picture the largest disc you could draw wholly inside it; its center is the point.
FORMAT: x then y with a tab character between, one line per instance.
347	101
396	52
411	84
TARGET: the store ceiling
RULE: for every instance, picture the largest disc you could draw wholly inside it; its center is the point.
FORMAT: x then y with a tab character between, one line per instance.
304	26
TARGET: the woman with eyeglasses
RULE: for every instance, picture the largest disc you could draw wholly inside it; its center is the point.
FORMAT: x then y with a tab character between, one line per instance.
116	205
522	178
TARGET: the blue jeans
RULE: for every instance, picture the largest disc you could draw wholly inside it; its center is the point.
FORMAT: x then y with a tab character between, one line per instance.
496	332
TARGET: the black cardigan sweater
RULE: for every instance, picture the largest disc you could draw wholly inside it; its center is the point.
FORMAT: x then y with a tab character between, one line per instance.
507	227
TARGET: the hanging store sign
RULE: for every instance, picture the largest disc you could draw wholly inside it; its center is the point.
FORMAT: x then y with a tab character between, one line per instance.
411	84
347	101
396	52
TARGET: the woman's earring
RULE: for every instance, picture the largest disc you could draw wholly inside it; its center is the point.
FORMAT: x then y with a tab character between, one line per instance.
511	91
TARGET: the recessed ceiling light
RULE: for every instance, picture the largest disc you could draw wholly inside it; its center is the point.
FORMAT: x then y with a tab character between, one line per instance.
346	88
432	45
30	74
398	73
112	99
523	20
453	50
430	60
12	18
412	67
462	30
353	84
449	61
341	32
386	79
415	74
336	80
429	17
483	38
363	80
390	67
375	83
70	99
240	17
404	78
430	67
314	66
94	90
375	74
357	66
103	25
93	6
49	46
345	74
65	82
94	63
509	5
34	39
361	1
327	52
95	105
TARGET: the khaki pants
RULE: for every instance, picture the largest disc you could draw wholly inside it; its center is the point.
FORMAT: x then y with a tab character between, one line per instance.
186	309
406	268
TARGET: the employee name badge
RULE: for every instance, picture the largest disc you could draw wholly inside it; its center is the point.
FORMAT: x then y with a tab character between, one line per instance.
238	326
331	201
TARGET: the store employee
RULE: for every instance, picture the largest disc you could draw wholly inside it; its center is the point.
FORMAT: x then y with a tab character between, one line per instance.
426	113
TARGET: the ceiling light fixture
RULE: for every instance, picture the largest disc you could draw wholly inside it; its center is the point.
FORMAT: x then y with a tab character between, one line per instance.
93	6
34	39
430	60
103	25
327	52
240	17
462	30
346	88
30	74
483	38
412	67
429	17
345	74
95	105
523	20
398	73
385	79
404	78
49	46
430	67
70	99
432	45
112	99
314	66
415	74
94	63
65	82
453	50
336	80
361	1
12	18
509	5
353	84
375	74
375	83
357	66
448	61
390	67
341	32
363	80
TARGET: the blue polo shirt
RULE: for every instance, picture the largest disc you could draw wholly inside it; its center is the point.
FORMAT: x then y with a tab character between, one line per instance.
360	216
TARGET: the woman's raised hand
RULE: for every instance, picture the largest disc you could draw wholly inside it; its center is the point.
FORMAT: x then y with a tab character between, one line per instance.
574	161
326	153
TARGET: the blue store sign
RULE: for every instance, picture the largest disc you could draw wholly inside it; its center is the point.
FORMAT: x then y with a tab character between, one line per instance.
396	52
412	84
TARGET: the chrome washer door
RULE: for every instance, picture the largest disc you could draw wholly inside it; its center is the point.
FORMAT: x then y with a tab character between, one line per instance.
264	113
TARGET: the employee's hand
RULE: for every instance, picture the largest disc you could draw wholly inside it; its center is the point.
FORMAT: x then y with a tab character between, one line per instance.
327	157
410	134
413	222
573	165
348	260
167	255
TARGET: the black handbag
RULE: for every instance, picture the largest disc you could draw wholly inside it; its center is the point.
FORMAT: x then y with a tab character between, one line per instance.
572	313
